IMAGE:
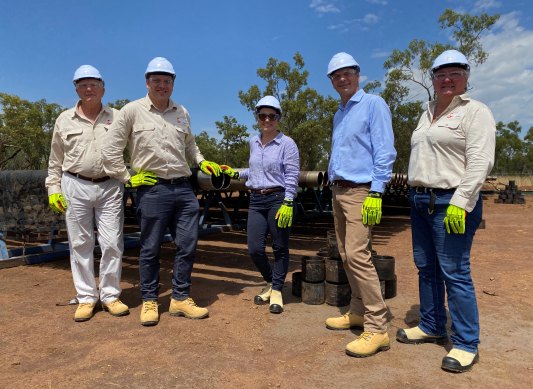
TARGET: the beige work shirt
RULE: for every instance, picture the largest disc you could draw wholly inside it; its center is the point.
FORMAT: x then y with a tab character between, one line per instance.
76	144
160	142
454	151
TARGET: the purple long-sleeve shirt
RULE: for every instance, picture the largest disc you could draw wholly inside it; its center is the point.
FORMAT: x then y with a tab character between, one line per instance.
275	164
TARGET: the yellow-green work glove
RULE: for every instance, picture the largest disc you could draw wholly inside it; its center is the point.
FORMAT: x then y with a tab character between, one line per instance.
229	171
371	210
209	168
142	178
57	202
284	214
455	219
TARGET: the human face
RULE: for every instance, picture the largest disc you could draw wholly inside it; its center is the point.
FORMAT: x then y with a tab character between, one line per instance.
346	82
450	82
90	90
271	120
160	88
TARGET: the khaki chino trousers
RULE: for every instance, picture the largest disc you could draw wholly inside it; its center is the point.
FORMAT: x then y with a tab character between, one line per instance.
352	239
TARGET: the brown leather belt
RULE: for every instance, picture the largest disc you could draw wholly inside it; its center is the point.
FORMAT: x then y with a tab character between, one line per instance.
100	179
350	184
267	190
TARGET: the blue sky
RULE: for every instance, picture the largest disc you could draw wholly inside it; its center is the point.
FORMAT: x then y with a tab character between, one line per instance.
217	46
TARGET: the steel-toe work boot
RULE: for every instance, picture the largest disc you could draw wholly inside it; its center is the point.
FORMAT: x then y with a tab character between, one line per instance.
149	313
116	308
276	302
415	336
367	344
344	322
264	296
187	308
459	361
84	311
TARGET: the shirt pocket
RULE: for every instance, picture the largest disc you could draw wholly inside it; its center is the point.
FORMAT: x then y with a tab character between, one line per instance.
144	135
74	141
446	131
179	136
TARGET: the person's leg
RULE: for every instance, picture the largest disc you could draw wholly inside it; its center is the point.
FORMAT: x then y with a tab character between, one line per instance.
257	230
280	242
79	219
154	210
109	217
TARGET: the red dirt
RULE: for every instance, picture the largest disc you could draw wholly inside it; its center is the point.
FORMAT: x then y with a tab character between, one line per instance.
243	345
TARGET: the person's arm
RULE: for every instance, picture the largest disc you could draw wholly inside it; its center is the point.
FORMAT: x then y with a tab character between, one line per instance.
55	162
114	144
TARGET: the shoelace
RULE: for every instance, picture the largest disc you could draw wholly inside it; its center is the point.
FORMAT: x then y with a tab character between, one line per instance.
191	302
366	336
81	305
150	306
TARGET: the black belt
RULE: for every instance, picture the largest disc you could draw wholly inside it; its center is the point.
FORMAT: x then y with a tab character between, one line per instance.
423	189
100	179
267	190
172	181
350	184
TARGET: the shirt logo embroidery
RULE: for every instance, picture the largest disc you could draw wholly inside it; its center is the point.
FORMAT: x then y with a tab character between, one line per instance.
452	115
108	121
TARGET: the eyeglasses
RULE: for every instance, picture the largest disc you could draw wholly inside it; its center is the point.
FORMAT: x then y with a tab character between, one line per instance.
271	116
451	75
86	85
158	81
344	74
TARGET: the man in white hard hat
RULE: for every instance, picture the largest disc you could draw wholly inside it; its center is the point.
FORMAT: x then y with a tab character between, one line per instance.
362	155
79	187
160	141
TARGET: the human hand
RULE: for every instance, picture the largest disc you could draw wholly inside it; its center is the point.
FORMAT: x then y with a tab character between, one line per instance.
456	219
284	214
371	210
209	168
229	171
57	202
142	178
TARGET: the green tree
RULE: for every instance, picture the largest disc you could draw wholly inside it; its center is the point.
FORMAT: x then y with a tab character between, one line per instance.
118	104
408	72
25	132
510	155
307	116
208	146
233	146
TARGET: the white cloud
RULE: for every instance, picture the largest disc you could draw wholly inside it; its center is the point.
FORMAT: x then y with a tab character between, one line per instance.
484	5
504	81
322	7
360	23
380	54
379	2
370	19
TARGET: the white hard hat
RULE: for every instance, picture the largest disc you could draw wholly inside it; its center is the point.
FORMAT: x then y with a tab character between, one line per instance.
450	58
341	60
160	65
86	71
268	101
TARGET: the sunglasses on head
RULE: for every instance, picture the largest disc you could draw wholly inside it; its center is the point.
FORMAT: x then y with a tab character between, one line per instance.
271	116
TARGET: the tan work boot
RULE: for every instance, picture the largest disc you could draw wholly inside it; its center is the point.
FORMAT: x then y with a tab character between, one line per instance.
345	322
415	336
187	308
116	308
84	311
276	302
149	313
459	361
264	296
367	344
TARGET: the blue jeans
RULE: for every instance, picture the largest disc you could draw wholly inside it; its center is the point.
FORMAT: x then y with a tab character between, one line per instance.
443	262
261	221
160	207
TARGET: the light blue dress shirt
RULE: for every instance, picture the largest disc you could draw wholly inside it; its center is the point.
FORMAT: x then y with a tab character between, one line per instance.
362	147
276	164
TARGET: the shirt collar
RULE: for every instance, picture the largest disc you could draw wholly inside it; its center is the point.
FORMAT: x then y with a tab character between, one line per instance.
356	98
146	102
105	109
277	139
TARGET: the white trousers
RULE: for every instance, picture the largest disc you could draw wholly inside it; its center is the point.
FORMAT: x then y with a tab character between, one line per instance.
89	203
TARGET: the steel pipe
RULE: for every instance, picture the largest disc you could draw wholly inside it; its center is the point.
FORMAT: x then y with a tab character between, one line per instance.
310	179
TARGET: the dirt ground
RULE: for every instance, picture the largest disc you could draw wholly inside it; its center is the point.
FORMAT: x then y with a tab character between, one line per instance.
242	345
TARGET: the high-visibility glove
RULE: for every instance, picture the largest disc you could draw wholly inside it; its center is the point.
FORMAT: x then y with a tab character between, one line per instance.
455	219
229	171
142	178
57	202
209	168
371	210
284	214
